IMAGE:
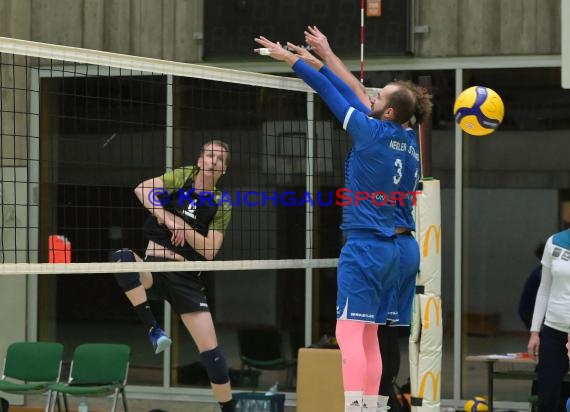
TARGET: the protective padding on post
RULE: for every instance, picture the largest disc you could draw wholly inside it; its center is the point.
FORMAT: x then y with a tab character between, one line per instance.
425	360
425	344
428	234
431	323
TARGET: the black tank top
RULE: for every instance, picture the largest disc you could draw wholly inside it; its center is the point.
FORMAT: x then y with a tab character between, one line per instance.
198	210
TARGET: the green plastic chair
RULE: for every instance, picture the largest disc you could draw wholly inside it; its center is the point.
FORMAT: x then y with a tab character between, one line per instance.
31	367
97	370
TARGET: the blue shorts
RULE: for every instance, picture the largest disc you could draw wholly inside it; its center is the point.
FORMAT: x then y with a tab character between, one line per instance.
367	273
403	295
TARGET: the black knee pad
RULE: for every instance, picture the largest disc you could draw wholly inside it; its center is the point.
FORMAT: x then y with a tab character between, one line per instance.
215	365
126	281
123	255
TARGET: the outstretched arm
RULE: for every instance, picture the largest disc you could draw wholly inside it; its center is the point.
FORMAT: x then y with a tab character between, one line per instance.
334	100
353	98
352	120
344	89
318	41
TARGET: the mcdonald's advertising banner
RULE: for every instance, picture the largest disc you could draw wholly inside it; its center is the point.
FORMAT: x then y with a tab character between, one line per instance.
426	330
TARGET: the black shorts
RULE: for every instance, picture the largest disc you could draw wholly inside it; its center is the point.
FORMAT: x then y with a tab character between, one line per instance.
185	291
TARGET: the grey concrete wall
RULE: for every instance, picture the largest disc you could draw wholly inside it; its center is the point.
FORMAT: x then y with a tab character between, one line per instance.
487	27
170	29
13	116
163	29
509	159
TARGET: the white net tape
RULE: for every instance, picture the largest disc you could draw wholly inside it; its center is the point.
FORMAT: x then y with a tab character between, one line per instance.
125	267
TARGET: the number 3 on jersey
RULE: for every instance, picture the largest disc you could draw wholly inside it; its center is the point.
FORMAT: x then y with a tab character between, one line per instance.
399	166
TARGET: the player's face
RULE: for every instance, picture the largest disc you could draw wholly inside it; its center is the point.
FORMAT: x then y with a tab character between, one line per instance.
213	160
379	104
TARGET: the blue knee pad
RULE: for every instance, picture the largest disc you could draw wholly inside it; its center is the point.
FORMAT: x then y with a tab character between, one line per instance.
215	365
126	281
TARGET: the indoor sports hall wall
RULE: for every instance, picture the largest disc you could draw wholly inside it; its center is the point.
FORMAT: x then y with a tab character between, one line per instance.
446	28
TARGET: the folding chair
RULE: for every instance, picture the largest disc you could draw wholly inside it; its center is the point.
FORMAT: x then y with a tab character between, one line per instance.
261	349
97	370
31	367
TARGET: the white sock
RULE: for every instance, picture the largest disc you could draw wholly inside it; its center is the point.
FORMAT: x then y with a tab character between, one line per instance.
370	402
353	401
383	403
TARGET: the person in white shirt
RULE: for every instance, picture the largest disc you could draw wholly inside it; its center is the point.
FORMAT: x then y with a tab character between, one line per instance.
551	321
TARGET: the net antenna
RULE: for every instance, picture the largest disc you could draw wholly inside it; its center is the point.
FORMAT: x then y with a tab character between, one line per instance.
362	41
373	9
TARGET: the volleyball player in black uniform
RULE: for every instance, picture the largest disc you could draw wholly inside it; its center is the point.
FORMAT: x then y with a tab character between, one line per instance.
188	219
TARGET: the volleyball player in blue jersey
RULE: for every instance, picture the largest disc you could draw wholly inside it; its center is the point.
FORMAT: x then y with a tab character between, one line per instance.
404	220
403	293
368	265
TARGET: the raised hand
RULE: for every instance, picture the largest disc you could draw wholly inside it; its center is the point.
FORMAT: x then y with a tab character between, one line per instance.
272	49
306	55
318	41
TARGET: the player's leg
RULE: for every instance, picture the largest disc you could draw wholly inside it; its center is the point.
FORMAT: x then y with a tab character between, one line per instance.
365	274
135	286
401	304
409	266
388	338
350	338
374	370
201	327
353	308
385	266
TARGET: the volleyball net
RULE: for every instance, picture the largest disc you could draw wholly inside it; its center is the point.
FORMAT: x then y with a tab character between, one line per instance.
80	129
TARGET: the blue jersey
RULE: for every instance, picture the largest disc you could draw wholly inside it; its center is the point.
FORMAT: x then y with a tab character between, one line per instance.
374	166
408	184
404	217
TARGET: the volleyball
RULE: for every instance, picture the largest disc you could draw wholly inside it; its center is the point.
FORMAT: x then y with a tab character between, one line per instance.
479	110
478	403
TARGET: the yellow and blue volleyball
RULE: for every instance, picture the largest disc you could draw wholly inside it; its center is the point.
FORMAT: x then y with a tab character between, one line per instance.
479	110
478	403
